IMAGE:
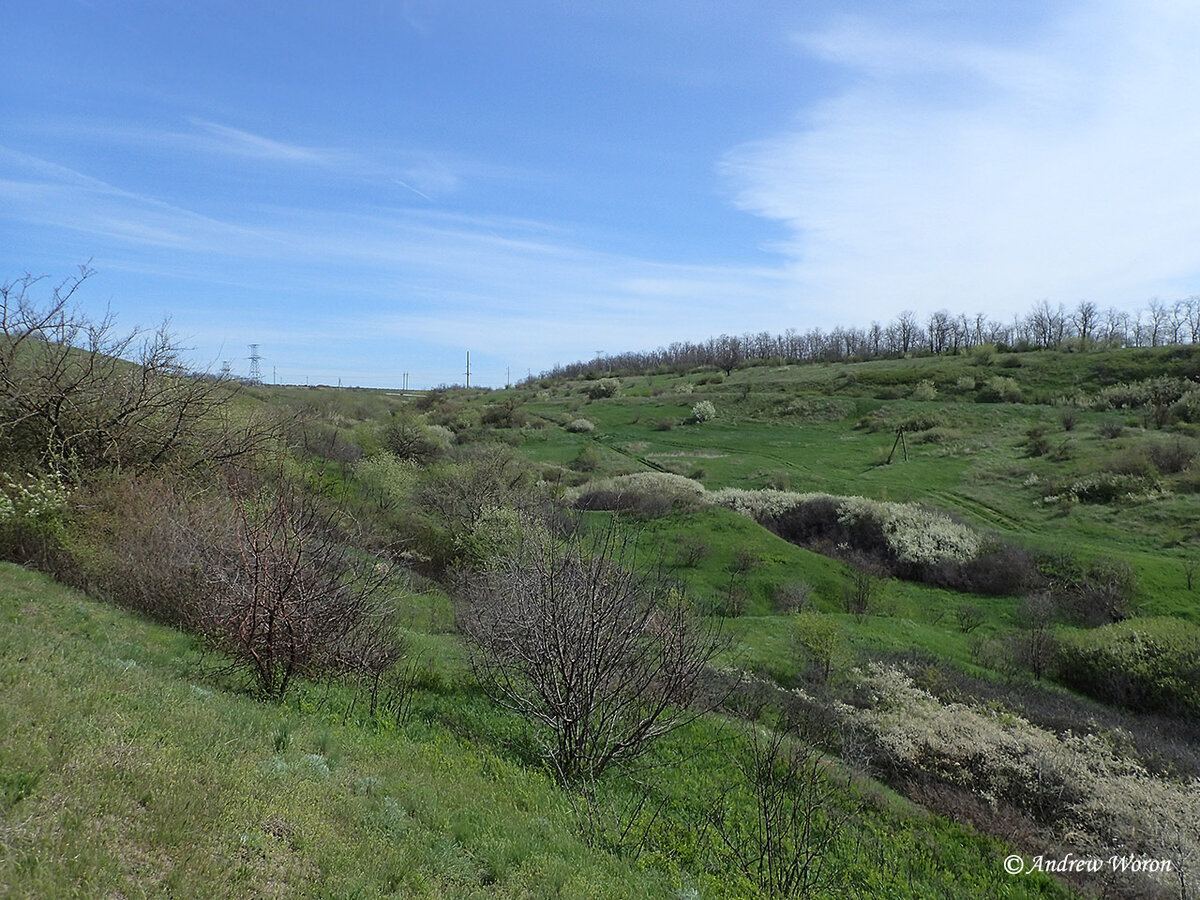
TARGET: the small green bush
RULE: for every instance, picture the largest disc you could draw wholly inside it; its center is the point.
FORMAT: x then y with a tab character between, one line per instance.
925	390
1036	442
1000	389
588	459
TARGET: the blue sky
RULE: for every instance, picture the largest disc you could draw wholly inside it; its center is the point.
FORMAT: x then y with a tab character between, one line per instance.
366	189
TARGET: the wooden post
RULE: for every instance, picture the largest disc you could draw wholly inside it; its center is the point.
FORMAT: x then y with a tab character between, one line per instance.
899	432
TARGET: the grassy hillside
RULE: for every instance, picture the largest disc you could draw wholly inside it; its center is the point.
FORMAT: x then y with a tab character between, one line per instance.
127	772
129	769
944	729
830	428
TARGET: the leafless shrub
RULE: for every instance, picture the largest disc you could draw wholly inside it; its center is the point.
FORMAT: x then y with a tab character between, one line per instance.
1171	458
691	552
859	591
408	437
603	656
142	542
1111	428
1034	642
970	617
792	596
1091	594
800	816
288	598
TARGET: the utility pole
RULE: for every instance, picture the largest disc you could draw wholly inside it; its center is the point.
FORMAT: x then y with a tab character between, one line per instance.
508	376
468	368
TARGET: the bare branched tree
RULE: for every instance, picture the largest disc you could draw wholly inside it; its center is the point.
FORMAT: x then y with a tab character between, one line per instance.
604	656
76	389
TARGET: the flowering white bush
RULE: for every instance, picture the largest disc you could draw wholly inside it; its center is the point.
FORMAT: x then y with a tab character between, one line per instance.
665	486
1105	487
1162	390
914	533
762	506
580	426
37	498
1187	407
1099	800
605	387
704	411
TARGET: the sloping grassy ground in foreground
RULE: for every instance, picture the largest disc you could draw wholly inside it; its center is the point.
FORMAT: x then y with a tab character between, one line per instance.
125	773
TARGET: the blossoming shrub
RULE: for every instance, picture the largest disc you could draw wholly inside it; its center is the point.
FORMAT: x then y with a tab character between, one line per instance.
1151	391
914	534
763	506
1187	407
907	539
605	387
1095	799
704	411
32	510
1101	487
643	493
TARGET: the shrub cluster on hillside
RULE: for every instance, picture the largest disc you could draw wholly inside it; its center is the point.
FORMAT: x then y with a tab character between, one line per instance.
1142	664
1101	801
906	539
648	494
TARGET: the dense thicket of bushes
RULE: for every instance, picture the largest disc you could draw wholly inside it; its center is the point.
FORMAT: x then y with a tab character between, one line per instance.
1142	664
76	394
117	475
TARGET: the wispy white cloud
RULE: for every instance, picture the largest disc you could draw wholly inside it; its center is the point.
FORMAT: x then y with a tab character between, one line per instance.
196	141
528	291
225	139
985	176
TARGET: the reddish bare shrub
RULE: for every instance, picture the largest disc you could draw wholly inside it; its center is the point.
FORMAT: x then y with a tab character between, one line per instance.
287	597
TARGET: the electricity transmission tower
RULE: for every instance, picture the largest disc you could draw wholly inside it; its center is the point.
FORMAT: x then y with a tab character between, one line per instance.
255	365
